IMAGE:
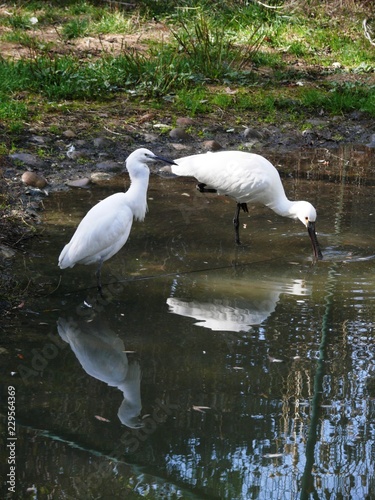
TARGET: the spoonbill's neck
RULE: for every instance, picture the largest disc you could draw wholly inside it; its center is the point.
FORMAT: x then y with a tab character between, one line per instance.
284	207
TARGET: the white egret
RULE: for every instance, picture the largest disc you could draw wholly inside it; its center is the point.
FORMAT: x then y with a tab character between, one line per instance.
247	178
105	228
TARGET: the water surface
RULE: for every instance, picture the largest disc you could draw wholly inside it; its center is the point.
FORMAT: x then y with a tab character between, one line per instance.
207	370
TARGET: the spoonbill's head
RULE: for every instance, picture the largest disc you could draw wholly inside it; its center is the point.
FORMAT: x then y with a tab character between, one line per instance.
306	213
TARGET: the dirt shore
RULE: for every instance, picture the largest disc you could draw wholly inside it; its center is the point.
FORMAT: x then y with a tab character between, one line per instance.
41	162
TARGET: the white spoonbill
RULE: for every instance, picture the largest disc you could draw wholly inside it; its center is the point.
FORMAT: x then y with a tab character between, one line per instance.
106	227
248	178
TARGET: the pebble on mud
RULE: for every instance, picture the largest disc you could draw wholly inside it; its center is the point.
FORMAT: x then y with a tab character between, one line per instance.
184	122
33	179
79	183
252	133
27	159
109	166
69	133
6	252
100	176
101	142
212	145
179	133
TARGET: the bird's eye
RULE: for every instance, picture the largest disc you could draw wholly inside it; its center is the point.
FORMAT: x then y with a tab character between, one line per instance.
306	219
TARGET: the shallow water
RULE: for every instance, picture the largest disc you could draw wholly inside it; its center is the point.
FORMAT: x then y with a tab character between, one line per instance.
208	370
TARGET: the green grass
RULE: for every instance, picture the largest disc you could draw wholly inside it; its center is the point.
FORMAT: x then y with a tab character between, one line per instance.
244	46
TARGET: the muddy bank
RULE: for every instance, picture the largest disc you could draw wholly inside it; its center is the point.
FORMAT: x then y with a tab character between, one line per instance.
76	158
41	163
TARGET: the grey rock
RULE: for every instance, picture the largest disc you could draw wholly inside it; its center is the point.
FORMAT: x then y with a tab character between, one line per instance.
252	133
38	139
179	134
28	159
101	142
371	144
6	252
150	138
109	165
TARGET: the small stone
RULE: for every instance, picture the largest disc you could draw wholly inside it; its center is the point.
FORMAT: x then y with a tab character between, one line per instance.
76	154
179	133
79	183
33	179
150	138
146	117
212	146
101	142
179	147
184	122
69	133
251	133
38	139
100	176
109	165
6	252
371	144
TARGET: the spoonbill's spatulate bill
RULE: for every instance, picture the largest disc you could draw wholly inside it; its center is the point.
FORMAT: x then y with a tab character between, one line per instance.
247	178
105	228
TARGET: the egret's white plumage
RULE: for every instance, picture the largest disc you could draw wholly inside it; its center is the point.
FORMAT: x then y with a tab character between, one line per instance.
247	178
105	228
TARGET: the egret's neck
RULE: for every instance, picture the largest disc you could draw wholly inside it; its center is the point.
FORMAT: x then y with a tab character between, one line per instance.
136	195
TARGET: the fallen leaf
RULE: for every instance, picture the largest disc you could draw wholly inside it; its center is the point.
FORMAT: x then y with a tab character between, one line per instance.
275	360
102	419
201	408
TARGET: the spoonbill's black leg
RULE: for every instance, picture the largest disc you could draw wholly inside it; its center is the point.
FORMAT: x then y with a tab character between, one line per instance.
236	220
99	277
202	188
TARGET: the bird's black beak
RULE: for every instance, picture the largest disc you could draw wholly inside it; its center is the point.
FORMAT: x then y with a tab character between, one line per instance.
314	240
171	162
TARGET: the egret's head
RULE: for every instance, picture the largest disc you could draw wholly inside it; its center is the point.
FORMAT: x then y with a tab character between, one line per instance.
142	156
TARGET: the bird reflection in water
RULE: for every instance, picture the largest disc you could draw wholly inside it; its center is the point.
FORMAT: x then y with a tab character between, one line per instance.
101	354
234	305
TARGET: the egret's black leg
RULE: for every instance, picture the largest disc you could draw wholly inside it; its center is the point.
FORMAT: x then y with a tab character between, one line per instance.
236	220
202	188
99	277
